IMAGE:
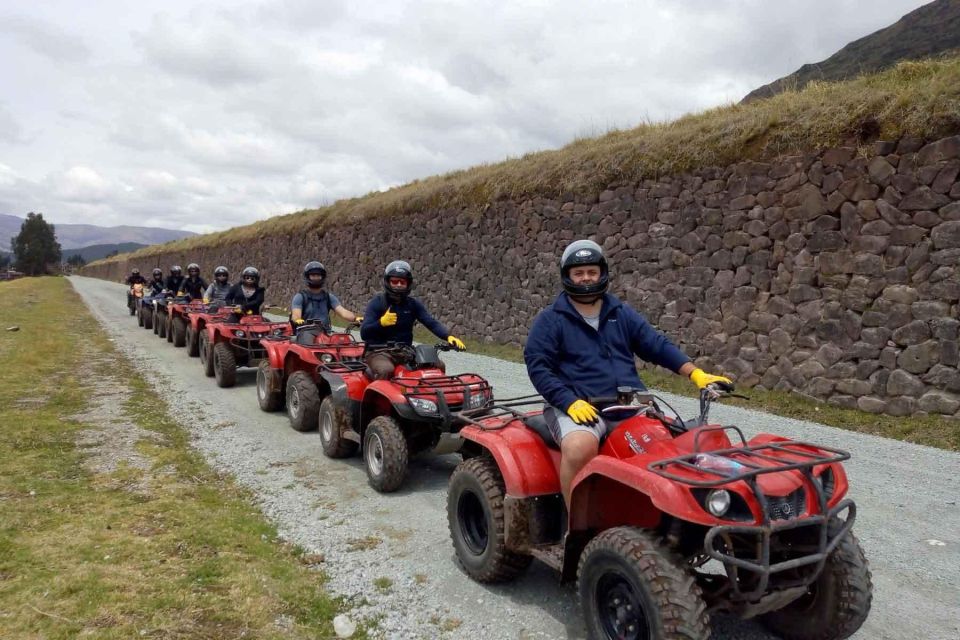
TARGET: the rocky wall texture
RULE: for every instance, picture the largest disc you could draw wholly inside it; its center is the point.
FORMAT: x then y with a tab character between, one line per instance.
836	274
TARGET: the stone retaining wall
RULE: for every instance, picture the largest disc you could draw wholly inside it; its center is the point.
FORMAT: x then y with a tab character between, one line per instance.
833	273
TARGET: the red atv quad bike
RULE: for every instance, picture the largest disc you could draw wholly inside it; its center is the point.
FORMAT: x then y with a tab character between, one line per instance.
290	371
197	320
671	521
393	419
178	311
226	345
161	304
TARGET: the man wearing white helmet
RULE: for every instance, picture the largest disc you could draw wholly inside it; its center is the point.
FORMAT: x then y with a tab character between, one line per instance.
583	346
390	317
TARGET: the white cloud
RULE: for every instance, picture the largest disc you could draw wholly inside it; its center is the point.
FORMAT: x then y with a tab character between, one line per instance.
204	116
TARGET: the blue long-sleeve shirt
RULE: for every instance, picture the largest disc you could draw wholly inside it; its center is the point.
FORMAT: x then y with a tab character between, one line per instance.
568	360
409	311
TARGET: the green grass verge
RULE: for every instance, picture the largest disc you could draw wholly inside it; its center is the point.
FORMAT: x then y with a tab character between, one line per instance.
935	431
920	99
82	554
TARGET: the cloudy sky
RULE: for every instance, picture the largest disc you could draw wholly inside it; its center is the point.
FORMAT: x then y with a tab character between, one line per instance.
203	116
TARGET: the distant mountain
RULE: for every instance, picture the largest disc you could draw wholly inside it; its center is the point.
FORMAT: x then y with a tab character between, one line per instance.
928	31
97	251
76	236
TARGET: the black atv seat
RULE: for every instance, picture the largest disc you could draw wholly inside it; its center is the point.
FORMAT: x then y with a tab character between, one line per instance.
307	337
538	424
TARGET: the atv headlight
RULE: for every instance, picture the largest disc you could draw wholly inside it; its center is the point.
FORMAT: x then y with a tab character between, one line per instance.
477	400
278	331
239	333
326	358
423	406
718	502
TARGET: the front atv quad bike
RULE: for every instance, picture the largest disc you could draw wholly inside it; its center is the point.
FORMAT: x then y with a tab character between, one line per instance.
664	497
226	345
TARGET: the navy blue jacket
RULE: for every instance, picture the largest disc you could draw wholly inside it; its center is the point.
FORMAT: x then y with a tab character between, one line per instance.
567	360
408	313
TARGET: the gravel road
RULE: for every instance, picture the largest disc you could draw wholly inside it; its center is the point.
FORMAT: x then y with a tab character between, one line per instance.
908	520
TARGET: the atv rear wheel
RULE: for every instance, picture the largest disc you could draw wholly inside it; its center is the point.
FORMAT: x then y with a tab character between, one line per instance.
193	344
837	602
332	425
179	332
224	365
630	588
303	401
269	385
385	454
476	520
206	355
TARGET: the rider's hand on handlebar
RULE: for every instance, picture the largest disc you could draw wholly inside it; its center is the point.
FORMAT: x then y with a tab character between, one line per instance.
358	319
703	379
299	321
388	319
456	343
582	412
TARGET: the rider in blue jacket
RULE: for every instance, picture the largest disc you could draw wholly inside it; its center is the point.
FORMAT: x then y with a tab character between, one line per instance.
391	315
583	346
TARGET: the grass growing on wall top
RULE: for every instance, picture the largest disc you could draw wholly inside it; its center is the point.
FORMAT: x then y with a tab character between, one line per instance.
921	99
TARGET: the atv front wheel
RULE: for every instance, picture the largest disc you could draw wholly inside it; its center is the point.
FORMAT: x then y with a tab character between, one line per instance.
630	588
206	355
476	520
332	425
168	328
179	332
303	401
139	316
385	454
148	319
268	387
224	365
835	604
193	345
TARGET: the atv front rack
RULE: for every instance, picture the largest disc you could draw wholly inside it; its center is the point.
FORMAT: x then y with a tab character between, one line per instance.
436	389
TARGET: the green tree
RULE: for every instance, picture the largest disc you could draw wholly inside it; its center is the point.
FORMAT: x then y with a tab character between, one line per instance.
76	261
5	260
36	248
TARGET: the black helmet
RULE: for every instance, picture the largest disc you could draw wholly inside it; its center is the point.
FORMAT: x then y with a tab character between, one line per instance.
397	269
135	271
313	267
578	254
157	272
193	266
175	270
221	271
251	272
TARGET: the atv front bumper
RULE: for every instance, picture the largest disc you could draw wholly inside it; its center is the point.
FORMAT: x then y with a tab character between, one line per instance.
802	564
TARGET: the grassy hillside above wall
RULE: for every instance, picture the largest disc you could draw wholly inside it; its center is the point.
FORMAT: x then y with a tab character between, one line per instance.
920	99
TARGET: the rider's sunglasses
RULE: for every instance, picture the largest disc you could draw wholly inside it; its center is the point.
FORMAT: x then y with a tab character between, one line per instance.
398	282
251	278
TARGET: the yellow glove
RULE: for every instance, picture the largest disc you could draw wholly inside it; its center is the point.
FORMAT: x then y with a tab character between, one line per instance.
388	319
238	309
701	378
583	412
206	301
457	343
358	319
180	294
299	321
250	312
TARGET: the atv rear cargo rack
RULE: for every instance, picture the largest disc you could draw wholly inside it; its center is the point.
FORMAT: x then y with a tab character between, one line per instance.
341	367
501	409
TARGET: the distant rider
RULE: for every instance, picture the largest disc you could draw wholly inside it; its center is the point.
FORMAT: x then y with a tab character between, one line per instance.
193	285
391	315
220	287
314	303
174	280
247	295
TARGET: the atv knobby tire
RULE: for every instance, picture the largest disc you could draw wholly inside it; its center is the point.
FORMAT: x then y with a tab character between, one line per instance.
224	365
630	587
837	602
139	315
179	331
385	454
206	355
168	327
476	520
333	423
303	401
193	343
148	319
269	389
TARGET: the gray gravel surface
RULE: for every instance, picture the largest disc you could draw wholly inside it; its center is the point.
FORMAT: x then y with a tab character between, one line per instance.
908	520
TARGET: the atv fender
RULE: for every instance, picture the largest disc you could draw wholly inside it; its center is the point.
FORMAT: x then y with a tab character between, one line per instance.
525	462
340	395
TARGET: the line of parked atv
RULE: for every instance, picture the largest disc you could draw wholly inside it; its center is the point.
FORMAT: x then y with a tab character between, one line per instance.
675	519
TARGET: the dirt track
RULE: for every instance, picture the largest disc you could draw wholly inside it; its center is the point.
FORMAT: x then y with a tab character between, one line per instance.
909	518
